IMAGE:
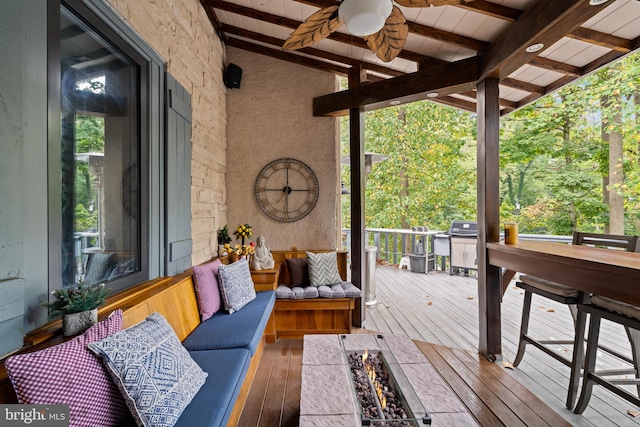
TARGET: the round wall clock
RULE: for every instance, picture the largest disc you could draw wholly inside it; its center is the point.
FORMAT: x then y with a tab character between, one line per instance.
286	190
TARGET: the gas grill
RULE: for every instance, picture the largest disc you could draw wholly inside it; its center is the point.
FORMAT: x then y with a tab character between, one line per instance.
464	239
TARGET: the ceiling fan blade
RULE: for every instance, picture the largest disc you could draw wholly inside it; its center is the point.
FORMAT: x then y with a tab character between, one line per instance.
317	27
427	3
389	41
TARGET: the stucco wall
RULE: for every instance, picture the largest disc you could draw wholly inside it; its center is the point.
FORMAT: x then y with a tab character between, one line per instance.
180	31
270	117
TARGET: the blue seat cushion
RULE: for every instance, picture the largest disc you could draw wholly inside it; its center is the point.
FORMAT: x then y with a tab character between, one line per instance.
213	404
242	329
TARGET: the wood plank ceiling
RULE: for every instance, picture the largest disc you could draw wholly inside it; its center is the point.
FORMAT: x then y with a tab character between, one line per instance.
449	48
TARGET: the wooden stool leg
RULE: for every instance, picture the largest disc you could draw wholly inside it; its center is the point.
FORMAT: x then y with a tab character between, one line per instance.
590	364
577	361
524	327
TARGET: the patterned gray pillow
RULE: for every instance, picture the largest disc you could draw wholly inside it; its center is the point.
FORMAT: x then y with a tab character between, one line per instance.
236	285
154	372
323	269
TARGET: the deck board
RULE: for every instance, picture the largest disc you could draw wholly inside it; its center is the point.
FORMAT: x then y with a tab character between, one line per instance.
447	331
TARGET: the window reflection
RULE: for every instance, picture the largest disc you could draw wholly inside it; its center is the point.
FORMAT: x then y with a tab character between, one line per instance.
100	157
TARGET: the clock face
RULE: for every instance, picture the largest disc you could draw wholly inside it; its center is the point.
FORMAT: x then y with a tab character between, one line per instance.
286	190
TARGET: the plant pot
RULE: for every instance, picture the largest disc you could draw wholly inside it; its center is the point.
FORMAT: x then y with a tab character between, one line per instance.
76	323
221	251
233	257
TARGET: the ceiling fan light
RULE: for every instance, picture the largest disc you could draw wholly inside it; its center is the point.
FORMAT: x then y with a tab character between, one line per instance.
364	17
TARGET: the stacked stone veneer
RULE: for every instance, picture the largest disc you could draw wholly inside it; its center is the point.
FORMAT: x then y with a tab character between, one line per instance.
327	397
180	31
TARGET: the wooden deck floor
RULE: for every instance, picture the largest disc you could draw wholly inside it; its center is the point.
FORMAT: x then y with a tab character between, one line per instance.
440	312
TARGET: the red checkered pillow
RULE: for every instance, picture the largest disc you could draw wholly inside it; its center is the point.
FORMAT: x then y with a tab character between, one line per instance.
206	278
69	373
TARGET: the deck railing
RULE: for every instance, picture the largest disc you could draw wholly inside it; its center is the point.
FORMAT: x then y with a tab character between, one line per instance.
393	244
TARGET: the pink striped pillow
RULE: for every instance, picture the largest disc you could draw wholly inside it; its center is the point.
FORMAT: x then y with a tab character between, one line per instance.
69	373
207	289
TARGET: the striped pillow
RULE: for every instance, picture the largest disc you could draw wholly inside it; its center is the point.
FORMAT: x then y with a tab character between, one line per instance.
323	268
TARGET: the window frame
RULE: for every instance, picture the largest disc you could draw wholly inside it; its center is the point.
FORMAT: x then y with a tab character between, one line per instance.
150	92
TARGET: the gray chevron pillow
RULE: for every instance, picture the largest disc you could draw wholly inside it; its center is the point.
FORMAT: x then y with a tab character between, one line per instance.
323	269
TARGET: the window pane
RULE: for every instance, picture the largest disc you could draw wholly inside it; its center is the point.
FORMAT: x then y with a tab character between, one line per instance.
100	157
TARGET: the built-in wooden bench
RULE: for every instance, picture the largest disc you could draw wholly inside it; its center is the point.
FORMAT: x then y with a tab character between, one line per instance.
173	297
294	318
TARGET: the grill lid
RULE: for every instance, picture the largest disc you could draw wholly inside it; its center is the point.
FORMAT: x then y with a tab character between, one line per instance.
464	228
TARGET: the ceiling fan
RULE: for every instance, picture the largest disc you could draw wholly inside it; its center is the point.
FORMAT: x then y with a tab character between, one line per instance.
380	22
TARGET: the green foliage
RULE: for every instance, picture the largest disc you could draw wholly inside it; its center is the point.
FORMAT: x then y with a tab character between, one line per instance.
76	299
223	236
554	160
85	220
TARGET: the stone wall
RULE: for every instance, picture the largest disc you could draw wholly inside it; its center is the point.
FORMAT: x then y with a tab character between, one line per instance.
270	117
180	31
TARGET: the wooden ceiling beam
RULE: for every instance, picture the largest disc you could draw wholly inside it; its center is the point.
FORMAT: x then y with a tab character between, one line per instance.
503	102
520	85
559	67
456	103
492	9
289	57
293	24
601	39
543	22
213	19
445	79
230	29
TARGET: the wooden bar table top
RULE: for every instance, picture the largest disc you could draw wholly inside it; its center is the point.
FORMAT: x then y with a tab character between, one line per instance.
610	273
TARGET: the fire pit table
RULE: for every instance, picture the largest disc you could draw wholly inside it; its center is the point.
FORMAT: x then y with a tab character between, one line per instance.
406	383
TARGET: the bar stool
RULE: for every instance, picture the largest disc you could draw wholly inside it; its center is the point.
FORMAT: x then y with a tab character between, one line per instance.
619	312
570	297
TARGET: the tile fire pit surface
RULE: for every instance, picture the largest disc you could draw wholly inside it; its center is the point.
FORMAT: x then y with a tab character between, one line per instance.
327	398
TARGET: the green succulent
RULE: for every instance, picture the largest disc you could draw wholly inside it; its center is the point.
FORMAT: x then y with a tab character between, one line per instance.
223	236
75	299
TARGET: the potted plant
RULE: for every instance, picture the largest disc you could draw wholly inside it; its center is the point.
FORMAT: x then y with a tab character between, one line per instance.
78	306
223	239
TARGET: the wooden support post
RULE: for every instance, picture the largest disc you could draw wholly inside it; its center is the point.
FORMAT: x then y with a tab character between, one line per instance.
356	156
489	277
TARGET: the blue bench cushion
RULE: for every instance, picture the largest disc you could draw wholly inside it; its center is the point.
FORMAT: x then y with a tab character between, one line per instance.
214	402
242	329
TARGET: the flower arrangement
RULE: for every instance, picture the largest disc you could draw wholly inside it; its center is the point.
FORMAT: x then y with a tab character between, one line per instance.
76	299
243	231
240	250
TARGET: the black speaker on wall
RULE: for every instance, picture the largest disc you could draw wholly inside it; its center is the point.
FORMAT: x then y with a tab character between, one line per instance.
232	76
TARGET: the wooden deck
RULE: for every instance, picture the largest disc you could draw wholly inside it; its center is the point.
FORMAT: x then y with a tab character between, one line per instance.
440	312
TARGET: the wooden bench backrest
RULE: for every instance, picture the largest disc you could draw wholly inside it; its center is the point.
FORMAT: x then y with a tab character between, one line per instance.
280	258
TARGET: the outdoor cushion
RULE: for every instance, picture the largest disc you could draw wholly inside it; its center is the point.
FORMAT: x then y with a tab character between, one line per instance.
243	329
207	288
340	290
323	268
236	286
285	292
298	272
153	371
214	402
549	286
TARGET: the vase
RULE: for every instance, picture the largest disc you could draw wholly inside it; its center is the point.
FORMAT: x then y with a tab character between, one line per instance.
76	323
221	251
233	257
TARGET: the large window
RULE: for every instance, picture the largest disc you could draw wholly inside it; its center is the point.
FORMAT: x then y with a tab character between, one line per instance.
102	148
